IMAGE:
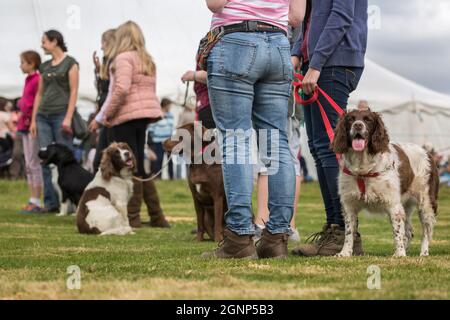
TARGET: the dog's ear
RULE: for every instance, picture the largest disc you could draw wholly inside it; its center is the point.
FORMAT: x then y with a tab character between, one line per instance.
66	155
106	165
379	142
340	143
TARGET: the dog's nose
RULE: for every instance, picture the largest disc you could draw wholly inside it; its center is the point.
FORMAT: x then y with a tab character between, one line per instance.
358	126
126	154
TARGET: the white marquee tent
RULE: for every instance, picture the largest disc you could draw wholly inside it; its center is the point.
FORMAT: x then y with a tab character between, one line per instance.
173	29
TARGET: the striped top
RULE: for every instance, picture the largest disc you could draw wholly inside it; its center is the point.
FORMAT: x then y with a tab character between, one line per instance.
274	12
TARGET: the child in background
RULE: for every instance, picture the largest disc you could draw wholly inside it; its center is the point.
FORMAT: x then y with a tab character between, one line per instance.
29	64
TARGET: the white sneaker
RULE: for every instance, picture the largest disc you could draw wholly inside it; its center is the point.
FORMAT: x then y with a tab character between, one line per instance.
295	236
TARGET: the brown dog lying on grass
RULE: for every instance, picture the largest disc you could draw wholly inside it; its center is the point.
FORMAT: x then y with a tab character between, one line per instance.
204	178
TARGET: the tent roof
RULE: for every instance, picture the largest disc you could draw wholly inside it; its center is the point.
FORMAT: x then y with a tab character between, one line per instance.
385	90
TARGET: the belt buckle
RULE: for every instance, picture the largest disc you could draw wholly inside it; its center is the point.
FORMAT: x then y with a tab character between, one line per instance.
252	25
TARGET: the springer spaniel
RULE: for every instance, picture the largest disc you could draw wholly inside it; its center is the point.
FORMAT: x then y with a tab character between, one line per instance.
383	177
103	206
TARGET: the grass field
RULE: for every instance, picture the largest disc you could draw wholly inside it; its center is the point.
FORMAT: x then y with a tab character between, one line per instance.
35	252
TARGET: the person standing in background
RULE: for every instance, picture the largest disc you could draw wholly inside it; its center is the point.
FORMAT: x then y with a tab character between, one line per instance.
157	133
54	105
331	51
132	106
103	88
30	62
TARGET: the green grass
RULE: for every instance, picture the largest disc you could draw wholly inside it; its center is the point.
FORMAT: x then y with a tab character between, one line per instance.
35	252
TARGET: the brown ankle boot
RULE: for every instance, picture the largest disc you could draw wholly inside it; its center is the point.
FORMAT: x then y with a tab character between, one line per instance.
329	242
272	245
134	205
151	198
233	246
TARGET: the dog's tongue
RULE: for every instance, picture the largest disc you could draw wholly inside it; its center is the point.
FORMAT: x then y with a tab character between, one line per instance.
358	144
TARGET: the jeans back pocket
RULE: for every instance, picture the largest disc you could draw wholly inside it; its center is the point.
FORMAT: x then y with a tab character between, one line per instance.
238	57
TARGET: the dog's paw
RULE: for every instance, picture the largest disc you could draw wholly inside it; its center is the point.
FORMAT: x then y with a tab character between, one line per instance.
343	254
399	254
62	214
425	254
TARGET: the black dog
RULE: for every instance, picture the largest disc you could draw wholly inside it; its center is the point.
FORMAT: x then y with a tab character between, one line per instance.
72	177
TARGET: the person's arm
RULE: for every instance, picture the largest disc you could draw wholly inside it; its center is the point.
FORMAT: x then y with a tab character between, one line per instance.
37	102
216	6
297	9
74	78
122	83
338	23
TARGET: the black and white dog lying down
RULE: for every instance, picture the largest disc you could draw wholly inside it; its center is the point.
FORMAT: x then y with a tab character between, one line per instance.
103	206
72	177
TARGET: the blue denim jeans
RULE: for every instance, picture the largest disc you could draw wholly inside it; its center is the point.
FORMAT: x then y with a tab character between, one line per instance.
49	131
249	82
338	82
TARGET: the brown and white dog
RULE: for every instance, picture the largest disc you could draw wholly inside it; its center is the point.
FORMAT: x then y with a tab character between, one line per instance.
383	177
205	181
103	206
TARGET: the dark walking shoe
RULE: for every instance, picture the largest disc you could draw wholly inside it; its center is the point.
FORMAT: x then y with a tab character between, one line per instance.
233	246
158	221
328	242
272	245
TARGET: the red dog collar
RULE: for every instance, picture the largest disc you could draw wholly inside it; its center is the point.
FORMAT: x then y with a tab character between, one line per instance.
360	179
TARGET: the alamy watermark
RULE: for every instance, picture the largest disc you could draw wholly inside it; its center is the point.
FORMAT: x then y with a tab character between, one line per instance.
73	281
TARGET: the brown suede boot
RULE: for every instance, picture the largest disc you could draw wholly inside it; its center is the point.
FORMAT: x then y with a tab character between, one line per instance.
233	246
151	198
134	205
272	245
329	242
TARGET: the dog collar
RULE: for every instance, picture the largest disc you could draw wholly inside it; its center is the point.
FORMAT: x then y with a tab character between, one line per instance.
361	179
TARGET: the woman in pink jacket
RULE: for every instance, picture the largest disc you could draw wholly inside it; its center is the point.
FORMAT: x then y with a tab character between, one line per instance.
131	105
29	64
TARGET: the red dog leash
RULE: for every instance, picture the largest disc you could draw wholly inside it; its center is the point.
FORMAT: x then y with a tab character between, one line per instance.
298	85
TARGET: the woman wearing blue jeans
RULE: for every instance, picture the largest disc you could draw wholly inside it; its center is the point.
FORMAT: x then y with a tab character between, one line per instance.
249	83
54	105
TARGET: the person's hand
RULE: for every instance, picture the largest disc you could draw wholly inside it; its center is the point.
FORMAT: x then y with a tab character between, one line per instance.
67	125
96	60
94	126
107	123
310	81
188	76
33	129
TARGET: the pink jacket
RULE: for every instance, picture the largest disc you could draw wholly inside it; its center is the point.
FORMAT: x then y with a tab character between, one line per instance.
133	94
26	102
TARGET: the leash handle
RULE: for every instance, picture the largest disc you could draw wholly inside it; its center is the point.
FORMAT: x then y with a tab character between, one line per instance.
298	85
186	93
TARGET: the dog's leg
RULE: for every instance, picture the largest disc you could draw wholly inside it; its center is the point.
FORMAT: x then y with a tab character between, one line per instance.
218	219
409	232
64	208
428	220
398	217
350	217
200	212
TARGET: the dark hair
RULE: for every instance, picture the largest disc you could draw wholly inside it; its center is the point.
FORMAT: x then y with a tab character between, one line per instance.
165	102
32	57
53	35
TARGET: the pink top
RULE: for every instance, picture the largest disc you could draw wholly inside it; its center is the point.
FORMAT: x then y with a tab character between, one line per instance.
275	12
25	104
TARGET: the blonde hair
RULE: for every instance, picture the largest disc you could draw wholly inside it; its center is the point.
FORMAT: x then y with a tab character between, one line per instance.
109	38
129	37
